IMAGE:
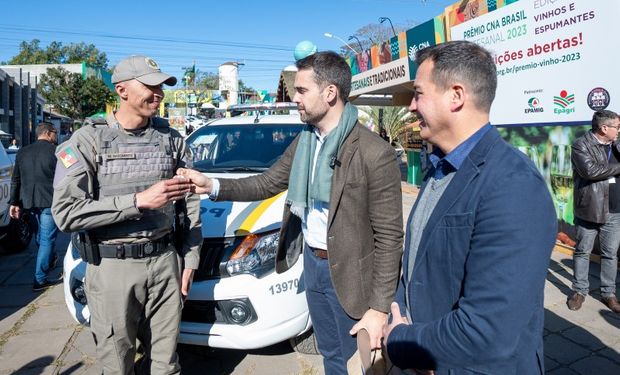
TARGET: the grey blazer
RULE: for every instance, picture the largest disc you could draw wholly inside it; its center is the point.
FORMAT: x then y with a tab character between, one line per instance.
365	227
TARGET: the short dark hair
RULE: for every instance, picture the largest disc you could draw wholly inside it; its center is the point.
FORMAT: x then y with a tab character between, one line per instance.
329	69
600	117
463	61
45	127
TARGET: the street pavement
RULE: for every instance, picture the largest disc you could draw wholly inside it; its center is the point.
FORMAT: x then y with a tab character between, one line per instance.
38	336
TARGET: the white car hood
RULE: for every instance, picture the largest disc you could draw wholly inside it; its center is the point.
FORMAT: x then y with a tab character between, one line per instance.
228	219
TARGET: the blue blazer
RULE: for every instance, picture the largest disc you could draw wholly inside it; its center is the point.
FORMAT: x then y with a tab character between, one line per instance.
476	291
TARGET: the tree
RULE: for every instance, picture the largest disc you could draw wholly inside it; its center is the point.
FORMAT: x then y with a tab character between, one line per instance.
76	53
72	96
94	94
189	76
373	33
207	80
395	119
244	88
55	53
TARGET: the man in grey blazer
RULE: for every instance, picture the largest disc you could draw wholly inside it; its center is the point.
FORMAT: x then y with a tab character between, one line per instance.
344	208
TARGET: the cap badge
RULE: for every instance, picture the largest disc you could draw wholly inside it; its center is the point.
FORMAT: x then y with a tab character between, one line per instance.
151	63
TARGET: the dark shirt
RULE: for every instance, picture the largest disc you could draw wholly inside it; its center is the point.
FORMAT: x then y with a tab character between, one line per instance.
444	164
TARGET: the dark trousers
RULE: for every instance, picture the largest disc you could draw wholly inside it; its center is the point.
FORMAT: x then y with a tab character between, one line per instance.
330	322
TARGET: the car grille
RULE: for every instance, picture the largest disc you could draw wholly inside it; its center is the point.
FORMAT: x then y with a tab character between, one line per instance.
201	312
212	254
220	312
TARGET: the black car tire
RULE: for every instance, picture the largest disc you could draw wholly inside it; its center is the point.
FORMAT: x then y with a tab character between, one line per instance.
305	343
18	235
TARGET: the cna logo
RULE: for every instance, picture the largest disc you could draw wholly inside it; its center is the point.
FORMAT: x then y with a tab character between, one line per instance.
413	49
564	103
534	106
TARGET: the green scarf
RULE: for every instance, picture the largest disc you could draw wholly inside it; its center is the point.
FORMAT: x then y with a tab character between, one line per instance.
299	196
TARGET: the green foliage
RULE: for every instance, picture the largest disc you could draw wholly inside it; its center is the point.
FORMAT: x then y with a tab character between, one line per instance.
244	88
55	53
94	96
208	81
189	77
395	119
72	96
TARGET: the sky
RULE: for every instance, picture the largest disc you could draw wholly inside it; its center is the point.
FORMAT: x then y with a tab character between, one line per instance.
260	34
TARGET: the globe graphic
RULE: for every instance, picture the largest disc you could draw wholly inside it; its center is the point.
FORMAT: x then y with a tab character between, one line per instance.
304	49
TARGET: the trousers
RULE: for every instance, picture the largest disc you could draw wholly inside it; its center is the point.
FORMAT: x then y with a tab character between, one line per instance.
330	322
45	237
609	239
131	300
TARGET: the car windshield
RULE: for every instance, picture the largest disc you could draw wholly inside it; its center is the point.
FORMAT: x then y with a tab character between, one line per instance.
243	148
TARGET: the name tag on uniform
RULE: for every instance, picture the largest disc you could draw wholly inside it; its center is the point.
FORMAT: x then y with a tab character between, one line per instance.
123	155
612	180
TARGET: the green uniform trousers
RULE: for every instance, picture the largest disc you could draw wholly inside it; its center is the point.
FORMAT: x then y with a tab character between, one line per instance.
136	299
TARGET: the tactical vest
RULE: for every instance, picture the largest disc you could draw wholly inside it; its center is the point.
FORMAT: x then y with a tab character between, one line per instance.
128	164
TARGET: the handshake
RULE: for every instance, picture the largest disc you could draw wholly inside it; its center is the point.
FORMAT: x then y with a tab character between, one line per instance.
199	183
166	191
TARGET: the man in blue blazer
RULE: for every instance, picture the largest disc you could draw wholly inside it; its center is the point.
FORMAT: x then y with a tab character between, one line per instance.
479	237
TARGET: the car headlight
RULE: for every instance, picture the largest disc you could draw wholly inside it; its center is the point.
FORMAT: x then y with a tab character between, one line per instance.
255	255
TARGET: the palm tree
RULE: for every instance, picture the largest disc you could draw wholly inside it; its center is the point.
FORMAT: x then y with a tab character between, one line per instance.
395	120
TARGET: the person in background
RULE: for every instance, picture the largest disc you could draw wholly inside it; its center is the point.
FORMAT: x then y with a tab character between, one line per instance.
596	198
13	145
344	209
479	236
383	134
32	190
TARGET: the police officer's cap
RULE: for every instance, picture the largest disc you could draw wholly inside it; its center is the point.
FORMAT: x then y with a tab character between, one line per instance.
143	69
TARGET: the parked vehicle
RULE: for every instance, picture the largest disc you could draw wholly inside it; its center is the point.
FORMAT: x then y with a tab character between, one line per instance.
237	300
15	235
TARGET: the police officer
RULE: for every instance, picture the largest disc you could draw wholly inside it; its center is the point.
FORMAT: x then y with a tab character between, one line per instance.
115	186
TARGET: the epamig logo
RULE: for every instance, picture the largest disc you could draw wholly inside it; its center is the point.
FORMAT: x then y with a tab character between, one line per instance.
534	106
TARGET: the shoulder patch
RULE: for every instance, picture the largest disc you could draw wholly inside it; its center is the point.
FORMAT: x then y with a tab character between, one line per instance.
67	156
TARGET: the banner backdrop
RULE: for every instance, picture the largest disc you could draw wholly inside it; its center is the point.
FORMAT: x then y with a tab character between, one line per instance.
554	58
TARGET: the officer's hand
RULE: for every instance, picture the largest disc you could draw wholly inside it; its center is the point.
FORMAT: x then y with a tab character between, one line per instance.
15	212
163	192
201	184
186	282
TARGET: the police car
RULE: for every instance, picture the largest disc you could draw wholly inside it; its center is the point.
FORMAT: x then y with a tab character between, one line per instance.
15	235
237	300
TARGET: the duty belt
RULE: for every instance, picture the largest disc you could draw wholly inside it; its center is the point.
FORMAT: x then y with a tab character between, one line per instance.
133	250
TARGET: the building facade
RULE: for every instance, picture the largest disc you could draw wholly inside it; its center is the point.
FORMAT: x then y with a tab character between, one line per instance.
21	106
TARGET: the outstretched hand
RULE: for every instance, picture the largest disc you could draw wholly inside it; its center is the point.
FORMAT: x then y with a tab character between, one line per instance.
163	192
200	183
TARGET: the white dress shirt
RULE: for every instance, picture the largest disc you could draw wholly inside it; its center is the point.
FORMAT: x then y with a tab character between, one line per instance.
314	225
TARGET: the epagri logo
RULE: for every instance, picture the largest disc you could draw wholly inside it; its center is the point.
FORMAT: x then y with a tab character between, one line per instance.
534	106
564	103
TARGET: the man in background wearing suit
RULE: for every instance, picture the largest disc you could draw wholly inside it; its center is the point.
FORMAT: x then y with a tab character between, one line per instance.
478	242
31	189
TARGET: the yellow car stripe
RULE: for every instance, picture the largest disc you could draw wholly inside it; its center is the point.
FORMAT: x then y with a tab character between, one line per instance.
253	217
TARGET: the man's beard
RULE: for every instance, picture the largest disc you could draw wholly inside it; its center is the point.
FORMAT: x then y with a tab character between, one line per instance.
312	118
